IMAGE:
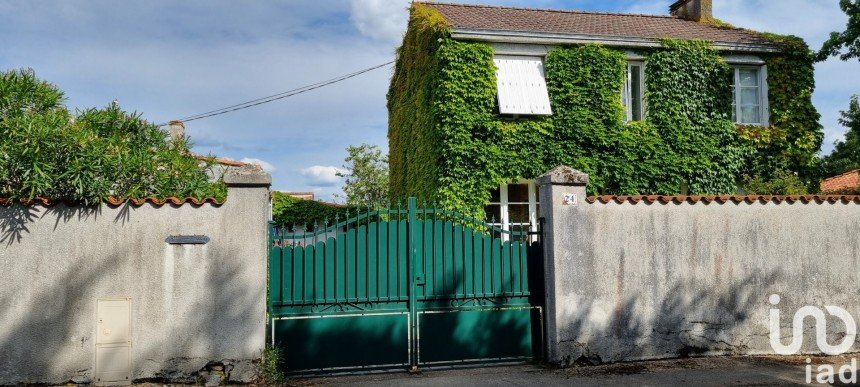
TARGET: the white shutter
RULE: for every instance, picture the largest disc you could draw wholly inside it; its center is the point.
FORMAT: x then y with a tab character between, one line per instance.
521	85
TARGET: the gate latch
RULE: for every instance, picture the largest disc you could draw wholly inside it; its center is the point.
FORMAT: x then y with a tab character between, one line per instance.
419	279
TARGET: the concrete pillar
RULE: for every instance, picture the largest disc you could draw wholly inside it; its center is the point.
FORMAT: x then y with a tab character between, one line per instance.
249	203
562	197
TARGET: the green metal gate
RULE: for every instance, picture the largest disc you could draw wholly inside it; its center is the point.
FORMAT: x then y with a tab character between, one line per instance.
403	287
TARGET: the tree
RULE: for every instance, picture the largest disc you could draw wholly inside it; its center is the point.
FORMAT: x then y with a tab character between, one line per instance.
88	156
848	39
846	155
366	175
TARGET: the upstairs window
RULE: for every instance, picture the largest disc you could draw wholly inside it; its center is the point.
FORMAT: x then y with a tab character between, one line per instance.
633	95
748	101
521	85
515	207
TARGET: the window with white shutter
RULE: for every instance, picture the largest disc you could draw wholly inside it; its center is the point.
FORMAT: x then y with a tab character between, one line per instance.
521	85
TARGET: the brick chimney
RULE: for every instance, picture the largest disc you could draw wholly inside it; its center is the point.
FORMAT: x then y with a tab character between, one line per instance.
177	131
695	10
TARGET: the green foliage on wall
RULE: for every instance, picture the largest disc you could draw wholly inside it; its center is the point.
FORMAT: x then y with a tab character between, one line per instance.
412	163
448	141
86	157
794	138
291	211
688	98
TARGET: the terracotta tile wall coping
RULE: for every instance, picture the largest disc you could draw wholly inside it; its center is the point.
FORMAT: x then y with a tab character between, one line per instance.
737	199
116	202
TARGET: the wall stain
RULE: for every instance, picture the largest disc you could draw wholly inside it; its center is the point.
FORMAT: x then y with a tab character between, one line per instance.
619	294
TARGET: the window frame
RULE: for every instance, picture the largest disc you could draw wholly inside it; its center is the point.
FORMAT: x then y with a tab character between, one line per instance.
762	89
627	93
504	209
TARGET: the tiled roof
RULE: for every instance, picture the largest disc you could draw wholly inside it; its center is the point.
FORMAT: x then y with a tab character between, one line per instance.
493	18
846	181
737	199
300	195
116	202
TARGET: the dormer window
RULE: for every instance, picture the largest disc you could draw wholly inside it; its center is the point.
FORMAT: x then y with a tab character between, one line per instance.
521	86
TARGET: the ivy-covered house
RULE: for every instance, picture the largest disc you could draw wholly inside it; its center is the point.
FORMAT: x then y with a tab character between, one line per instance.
484	99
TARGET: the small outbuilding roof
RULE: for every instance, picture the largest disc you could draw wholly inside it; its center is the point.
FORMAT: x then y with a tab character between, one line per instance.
847	181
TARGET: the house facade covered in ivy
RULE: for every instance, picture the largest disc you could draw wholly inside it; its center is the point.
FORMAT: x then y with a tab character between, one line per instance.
484	99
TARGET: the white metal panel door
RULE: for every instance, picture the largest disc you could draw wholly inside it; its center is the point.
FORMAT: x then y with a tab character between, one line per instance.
113	363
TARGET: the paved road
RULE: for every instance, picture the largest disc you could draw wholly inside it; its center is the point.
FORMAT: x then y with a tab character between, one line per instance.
722	371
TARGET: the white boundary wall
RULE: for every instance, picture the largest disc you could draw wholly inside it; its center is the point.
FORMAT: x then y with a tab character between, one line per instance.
190	304
645	279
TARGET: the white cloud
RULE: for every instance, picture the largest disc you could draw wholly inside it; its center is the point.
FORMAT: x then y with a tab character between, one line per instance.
263	164
383	20
322	176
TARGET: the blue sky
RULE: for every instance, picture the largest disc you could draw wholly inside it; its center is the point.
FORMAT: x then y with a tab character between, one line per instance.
169	59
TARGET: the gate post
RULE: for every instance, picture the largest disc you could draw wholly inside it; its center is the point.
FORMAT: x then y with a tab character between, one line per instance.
413	287
562	200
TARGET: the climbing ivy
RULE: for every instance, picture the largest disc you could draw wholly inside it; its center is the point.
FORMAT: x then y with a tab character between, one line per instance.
448	142
793	139
688	94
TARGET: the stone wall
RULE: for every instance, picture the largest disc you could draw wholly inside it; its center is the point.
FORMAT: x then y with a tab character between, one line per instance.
647	277
194	307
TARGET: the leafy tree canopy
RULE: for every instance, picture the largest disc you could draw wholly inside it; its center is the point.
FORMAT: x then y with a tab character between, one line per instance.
366	175
90	155
848	39
846	155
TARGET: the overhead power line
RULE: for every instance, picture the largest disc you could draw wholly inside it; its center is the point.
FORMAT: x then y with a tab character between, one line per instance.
279	96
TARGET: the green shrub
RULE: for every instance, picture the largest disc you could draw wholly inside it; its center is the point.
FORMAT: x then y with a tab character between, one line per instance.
88	156
781	183
294	212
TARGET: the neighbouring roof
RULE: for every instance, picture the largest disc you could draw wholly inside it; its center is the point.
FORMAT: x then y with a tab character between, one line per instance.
737	199
846	181
524	25
299	195
225	162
